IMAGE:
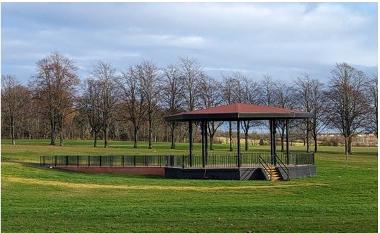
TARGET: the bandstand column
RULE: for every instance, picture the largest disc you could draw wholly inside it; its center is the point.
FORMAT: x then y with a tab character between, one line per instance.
203	143
190	143
238	162
287	140
206	142
272	124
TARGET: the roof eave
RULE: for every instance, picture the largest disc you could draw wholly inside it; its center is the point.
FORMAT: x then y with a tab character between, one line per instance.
238	116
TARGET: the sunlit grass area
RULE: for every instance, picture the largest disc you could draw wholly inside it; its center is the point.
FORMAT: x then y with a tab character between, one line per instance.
341	198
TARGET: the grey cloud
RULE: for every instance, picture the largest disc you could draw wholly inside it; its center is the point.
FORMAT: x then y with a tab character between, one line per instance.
282	39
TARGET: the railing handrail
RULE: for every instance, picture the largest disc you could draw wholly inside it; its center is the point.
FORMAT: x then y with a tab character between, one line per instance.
283	166
265	166
217	160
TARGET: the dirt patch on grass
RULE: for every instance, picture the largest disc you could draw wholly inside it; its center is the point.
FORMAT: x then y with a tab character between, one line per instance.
152	187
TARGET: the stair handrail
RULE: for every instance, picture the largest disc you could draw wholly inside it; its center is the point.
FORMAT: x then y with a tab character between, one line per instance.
283	166
265	166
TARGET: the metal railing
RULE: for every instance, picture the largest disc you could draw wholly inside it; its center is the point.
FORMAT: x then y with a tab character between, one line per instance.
214	160
265	166
283	167
297	158
113	161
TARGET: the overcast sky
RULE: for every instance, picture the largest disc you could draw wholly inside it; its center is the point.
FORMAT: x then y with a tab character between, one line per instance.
284	40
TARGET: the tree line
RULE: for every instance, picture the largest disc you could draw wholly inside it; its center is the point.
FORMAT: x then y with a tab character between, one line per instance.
131	104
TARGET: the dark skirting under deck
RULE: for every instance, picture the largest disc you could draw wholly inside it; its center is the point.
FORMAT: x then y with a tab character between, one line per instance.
254	173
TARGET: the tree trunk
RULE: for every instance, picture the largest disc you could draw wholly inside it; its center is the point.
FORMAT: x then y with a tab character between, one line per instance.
105	136
61	137
349	149
172	128
282	137
60	125
95	138
135	137
230	134
211	141
315	144
52	132
282	142
150	131
246	139
166	133
346	146
307	137
13	130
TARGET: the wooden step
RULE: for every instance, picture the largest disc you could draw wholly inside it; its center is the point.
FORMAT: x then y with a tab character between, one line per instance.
274	174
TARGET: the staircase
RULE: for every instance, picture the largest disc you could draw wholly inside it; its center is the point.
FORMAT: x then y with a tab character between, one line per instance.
274	174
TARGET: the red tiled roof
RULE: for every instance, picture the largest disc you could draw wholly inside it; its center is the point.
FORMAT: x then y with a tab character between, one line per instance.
239	111
240	108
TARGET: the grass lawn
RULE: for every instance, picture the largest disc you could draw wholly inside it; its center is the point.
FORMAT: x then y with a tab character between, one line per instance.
341	198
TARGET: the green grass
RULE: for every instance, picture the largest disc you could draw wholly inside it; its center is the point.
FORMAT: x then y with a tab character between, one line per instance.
341	198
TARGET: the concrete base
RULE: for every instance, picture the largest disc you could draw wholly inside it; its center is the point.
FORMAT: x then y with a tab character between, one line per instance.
216	173
302	171
256	173
253	173
156	171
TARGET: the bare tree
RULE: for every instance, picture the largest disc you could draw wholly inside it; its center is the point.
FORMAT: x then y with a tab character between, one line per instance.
283	97
268	89
192	74
251	96
172	95
317	101
303	95
246	91
90	105
372	96
347	104
54	87
106	79
149	81
211	96
14	97
228	96
267	94
133	100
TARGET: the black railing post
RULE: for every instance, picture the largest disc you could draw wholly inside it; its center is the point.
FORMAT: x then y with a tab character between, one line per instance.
67	160
123	160
274	142
190	143
100	161
134	160
183	161
287	141
77	160
203	143
238	144
88	161
206	143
